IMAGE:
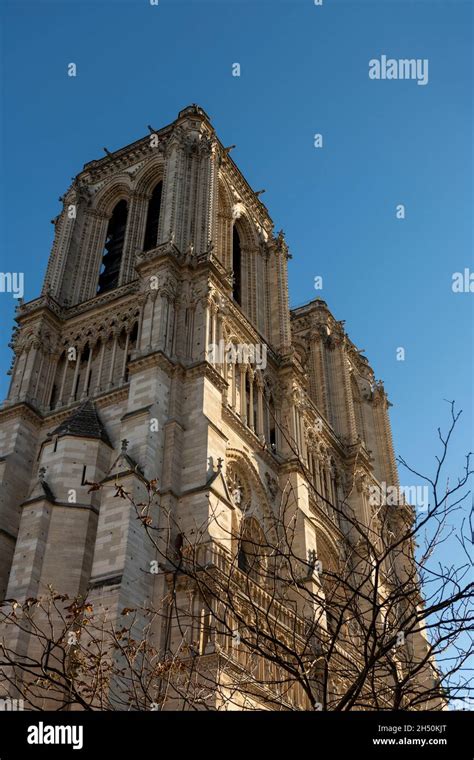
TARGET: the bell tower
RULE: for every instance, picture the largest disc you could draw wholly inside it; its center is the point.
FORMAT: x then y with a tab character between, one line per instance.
162	348
161	252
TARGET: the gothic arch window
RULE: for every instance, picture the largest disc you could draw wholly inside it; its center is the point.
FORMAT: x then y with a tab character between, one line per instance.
270	433
237	266
113	248
251	557
153	218
54	396
331	584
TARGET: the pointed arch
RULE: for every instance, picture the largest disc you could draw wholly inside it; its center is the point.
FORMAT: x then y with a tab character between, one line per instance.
252	557
153	217
259	505
108	197
109	274
149	176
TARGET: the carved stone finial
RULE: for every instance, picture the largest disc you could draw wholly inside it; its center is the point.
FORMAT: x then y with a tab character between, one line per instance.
124	445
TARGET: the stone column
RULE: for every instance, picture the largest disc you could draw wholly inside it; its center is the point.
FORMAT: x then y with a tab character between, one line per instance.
234	386
37	380
251	422
87	271
207	327
27	371
387	467
63	380
243	394
88	371
112	362
21	365
317	469
101	364
213	326
136	219
153	301
124	363
260	428
45	392
221	341
76	372
317	374
140	328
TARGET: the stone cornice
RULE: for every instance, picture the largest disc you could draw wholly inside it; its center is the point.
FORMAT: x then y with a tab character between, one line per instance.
124	159
145	260
290	465
99	169
56	416
44	302
136	412
62	314
21	409
309	321
251	201
111	296
204	369
154	359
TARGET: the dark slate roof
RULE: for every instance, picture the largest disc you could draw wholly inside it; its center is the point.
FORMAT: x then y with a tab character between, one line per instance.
84	422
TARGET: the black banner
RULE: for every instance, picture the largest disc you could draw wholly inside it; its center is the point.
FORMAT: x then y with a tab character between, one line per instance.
84	734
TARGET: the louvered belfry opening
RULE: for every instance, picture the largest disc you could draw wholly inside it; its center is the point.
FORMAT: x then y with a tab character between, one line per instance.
237	266
153	218
110	270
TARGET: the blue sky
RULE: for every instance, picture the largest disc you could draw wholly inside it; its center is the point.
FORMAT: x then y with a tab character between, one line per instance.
304	70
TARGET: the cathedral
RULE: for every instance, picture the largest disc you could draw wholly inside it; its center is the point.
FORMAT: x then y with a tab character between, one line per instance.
163	349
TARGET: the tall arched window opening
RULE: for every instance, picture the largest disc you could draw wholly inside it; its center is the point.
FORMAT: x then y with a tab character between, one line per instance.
251	550
153	218
237	266
113	249
272	424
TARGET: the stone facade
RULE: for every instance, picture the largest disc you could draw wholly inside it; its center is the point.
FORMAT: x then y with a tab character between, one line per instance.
94	367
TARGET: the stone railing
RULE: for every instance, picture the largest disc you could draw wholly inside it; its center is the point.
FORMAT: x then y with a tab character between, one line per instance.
209	556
